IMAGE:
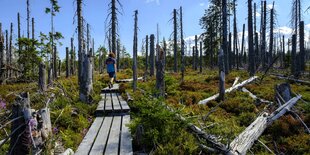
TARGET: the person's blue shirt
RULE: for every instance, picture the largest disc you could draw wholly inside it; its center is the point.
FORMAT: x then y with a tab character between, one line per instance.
110	64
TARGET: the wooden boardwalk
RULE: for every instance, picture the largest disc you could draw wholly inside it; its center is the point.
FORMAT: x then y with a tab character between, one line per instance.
109	133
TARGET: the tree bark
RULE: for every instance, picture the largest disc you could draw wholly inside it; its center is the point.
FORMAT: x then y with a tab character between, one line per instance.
175	45
224	36
72	59
118	53
160	74
152	55
242	46
135	51
271	36
302	46
235	46
55	63
293	57
67	62
196	53
146	55
221	62
28	20
32	21
250	42
114	24
263	48
182	46
1	51
42	77
10	51
200	67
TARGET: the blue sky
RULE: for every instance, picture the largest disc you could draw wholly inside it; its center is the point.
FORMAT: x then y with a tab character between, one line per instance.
151	12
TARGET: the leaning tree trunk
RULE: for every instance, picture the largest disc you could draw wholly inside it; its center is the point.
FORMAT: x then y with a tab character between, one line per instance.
224	37
175	45
152	55
250	42
42	77
182	46
67	62
135	51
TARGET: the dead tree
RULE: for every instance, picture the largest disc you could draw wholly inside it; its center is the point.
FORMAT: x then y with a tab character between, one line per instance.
152	55
1	51
7	50
250	42
283	52
10	51
230	54
175	44
302	46
263	41
194	59
67	62
196	53
32	21
221	75
182	46
146	55
117	55
235	43
242	46
18	30
42	77
224	37
135	52
72	59
160	73
28	19
200	67
55	63
293	56
271	35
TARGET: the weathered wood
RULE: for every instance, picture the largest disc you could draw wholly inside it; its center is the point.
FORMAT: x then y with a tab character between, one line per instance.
152	55
246	139
128	80
125	144
103	134
123	103
86	144
42	77
116	104
46	124
67	62
114	89
291	79
135	53
236	81
256	99
231	89
175	41
113	141
222	69
160	74
108	103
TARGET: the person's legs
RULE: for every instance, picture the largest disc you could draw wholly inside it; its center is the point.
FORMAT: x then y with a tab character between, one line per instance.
112	76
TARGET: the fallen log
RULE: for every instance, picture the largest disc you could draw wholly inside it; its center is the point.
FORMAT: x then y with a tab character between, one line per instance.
257	100
244	141
128	80
236	81
291	79
231	89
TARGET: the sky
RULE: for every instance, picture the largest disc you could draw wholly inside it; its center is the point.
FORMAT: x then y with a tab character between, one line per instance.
151	13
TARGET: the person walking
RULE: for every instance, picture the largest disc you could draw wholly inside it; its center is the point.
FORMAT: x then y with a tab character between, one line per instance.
111	68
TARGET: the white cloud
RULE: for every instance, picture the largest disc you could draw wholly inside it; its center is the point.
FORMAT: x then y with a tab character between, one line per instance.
308	26
269	6
284	30
202	4
258	14
150	1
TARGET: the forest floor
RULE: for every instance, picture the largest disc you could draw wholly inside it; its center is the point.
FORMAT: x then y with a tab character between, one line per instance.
162	133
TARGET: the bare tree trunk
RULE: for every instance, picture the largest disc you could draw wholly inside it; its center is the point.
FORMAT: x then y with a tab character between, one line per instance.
114	22
67	62
293	56
118	53
7	50
152	55
42	77
230	55
55	63
263	48
18	27
160	75
146	55
221	75
32	21
235	46
182	46
28	20
283	52
1	51
271	35
224	36
135	51
175	44
242	46
72	59
10	51
194	60
200	68
59	68
302	46
196	52
250	42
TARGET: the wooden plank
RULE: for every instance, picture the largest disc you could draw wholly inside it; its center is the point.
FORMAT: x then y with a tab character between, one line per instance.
114	89
102	137
112	146
108	103
100	108
115	101
126	140
88	140
123	104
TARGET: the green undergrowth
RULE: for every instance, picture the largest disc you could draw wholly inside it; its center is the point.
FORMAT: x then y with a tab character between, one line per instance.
227	121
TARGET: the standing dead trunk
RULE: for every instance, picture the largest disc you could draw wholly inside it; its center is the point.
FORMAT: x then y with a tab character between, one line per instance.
6	50
250	42
263	44
271	36
28	20
224	36
1	51
293	56
59	68
135	52
160	74
235	43
32	21
117	55
42	77
200	67
114	24
152	55
242	46
196	53
87	37
182	46
55	63
80	41
283	52
67	62
194	62
72	59
175	46
18	35
230	54
221	75
146	55
10	51
302	46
